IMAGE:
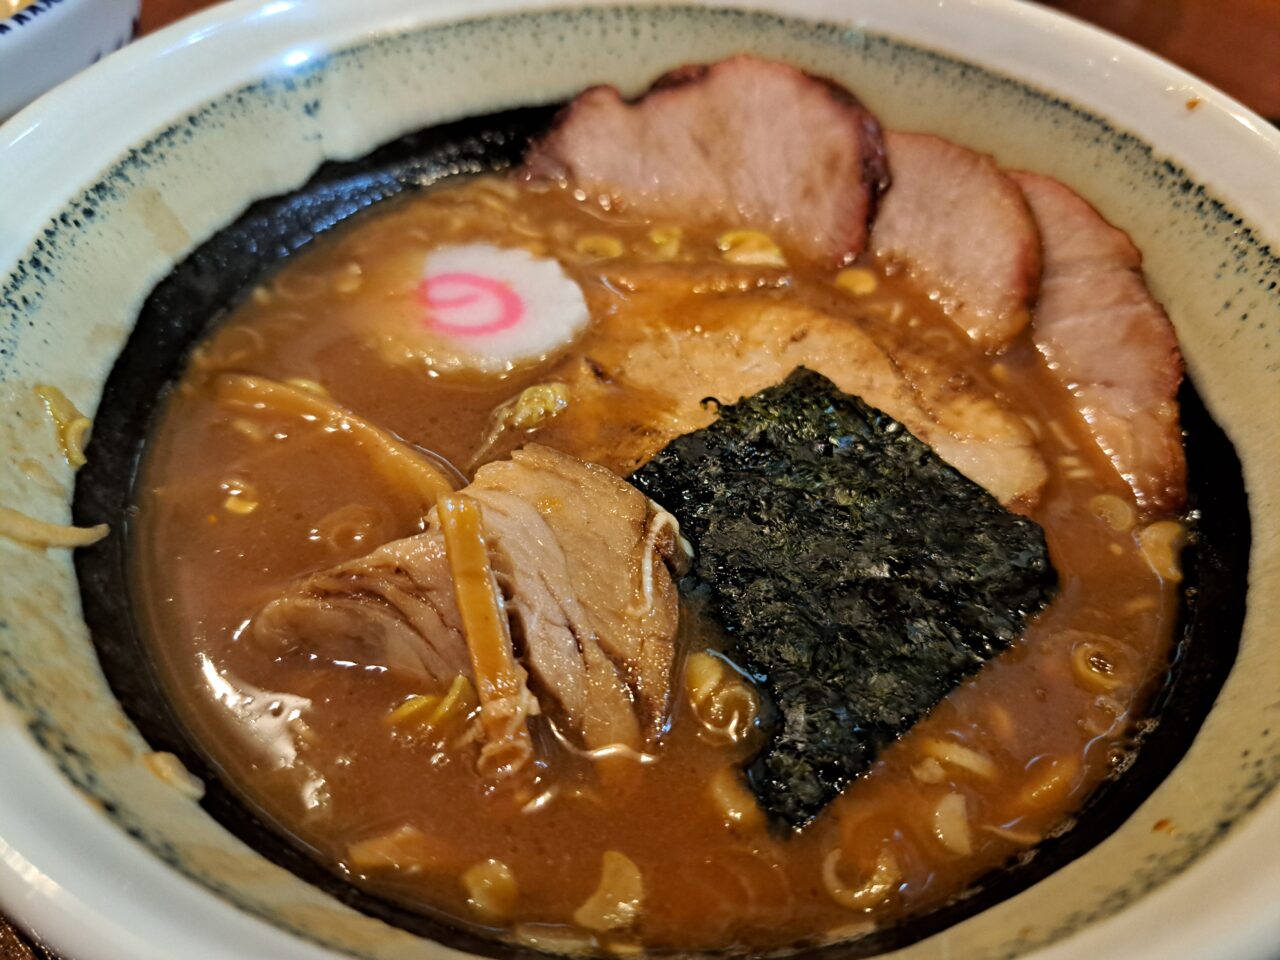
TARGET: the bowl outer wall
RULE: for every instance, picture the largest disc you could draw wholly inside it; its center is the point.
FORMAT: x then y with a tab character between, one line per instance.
52	43
101	897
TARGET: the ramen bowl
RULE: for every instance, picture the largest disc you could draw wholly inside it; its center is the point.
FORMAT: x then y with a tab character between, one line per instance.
110	849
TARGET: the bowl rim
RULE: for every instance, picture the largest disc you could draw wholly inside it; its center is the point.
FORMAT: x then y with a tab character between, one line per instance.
81	911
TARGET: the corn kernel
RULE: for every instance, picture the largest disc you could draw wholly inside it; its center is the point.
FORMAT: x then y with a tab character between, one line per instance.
350	280
417	708
666	241
857	281
431	713
750	248
458	703
1113	511
1161	544
538	403
239	505
241	497
599	245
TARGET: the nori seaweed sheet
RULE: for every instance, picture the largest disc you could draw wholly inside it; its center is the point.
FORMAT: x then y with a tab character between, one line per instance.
859	577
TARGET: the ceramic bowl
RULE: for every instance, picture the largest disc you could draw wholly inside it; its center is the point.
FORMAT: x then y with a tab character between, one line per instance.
119	175
48	41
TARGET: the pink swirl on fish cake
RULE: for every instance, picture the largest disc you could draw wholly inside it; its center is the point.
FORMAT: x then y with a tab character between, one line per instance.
474	288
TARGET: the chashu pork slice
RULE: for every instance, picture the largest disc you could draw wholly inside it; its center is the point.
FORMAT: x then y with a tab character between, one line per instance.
962	229
743	142
584	562
727	348
608	553
1109	342
392	609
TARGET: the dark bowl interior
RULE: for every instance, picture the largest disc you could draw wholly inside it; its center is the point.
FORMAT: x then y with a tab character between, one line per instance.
202	289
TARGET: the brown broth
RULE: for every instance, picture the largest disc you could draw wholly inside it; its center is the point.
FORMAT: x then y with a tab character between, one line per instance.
307	744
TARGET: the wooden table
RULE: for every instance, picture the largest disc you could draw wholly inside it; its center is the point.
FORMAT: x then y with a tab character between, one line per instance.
1235	45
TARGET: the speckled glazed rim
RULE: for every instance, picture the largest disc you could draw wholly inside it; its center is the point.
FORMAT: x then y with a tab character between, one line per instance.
112	178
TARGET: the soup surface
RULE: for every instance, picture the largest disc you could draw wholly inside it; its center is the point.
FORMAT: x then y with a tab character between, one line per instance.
667	849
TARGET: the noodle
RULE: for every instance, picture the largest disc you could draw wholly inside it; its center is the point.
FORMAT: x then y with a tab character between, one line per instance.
351	526
603	754
1099	664
617	901
661	521
883	879
722	701
951	824
491	889
74	436
505	701
169	770
957	755
36	533
399	462
73	426
1023	837
404	848
553	938
1162	544
737	806
1050	777
229	349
